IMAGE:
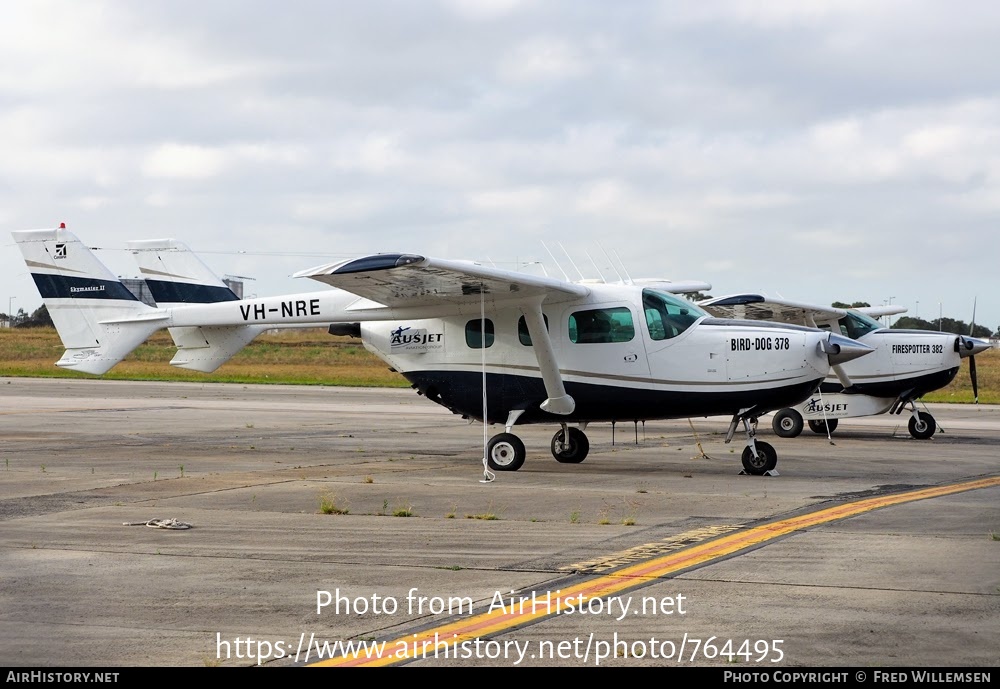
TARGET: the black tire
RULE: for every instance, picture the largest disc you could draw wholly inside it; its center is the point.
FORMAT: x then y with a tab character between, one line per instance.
819	426
923	429
766	460
575	450
787	423
505	452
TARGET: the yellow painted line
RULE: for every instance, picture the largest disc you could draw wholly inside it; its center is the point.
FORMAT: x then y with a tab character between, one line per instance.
548	604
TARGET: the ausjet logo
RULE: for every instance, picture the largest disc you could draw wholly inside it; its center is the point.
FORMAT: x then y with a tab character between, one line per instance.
816	406
414	340
60	251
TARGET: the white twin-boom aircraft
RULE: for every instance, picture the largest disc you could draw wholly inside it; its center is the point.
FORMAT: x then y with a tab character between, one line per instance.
494	345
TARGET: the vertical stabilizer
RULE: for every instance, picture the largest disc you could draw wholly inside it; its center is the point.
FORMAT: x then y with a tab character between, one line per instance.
89	306
176	276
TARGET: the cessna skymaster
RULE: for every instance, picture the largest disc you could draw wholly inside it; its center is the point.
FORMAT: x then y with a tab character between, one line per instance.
906	365
499	346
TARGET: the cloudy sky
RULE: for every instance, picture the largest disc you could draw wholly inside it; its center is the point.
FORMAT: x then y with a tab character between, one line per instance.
819	150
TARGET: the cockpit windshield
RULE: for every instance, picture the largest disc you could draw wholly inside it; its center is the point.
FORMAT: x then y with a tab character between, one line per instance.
668	316
855	324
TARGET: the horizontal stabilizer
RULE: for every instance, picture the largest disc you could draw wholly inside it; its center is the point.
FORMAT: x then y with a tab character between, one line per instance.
206	348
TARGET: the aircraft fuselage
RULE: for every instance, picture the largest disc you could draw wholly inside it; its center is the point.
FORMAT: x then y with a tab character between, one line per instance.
714	366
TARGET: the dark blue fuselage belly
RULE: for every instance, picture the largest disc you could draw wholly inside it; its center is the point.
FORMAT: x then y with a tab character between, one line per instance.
915	386
462	393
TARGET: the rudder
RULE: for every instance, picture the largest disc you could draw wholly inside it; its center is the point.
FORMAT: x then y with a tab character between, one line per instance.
98	319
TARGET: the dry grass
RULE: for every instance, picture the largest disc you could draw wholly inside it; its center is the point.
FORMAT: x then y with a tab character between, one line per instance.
960	389
313	357
310	356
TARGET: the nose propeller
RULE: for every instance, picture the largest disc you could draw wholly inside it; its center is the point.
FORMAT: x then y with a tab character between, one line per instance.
975	381
970	347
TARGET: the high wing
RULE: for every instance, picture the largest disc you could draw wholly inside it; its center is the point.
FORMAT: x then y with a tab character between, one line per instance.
674	286
758	307
401	281
879	311
406	280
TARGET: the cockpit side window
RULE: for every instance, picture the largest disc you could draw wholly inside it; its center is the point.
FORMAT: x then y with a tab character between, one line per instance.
854	325
668	316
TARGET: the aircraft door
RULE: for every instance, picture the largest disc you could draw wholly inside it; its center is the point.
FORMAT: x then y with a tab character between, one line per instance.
604	339
674	346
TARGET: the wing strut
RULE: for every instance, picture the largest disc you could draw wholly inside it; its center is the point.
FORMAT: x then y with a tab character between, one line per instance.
558	401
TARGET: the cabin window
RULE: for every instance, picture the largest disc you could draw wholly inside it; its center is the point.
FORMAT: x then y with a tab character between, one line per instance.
473	333
668	316
601	326
522	330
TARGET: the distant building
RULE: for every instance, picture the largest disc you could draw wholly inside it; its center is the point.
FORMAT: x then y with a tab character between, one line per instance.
235	285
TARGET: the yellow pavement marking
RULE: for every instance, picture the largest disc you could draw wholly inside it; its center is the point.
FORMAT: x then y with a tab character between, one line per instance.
546	604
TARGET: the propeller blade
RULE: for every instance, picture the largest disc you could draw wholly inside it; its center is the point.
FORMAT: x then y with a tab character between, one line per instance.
975	380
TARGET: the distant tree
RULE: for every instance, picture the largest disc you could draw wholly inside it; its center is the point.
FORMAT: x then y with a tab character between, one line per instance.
947	325
855	305
697	296
911	323
39	318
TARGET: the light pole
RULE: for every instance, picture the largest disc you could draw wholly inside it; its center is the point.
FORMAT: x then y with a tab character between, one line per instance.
10	315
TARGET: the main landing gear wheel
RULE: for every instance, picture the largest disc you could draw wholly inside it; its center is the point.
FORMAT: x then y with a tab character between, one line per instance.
573	450
505	452
819	426
924	428
764	462
787	423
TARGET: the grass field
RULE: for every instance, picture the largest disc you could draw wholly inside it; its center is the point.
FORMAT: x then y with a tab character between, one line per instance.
301	357
313	357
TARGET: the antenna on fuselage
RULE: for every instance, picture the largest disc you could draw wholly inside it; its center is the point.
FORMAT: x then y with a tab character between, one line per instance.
622	264
613	266
557	263
600	274
571	262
